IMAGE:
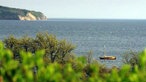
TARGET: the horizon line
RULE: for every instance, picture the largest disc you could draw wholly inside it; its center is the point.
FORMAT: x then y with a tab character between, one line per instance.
94	19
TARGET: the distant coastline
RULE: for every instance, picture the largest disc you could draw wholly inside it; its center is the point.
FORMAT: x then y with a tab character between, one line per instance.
7	13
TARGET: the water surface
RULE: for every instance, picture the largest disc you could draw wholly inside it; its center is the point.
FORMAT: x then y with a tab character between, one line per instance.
119	36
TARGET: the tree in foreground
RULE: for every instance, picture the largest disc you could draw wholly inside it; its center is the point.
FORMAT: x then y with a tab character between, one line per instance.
55	50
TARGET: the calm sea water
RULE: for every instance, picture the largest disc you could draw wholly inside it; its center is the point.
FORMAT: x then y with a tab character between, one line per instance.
118	36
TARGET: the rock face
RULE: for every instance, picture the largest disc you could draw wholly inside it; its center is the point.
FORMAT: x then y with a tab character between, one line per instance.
28	16
7	13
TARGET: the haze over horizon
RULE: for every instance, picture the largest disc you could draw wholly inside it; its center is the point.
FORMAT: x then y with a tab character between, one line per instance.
83	9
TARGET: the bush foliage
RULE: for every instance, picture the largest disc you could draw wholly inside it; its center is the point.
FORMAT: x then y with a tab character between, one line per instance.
32	66
55	50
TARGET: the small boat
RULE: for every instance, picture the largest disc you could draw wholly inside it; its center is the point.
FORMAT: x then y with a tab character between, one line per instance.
107	57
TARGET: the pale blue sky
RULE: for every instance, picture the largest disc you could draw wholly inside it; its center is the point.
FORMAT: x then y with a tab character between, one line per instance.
97	9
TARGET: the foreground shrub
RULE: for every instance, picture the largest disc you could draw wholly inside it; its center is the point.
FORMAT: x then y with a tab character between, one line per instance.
131	58
32	68
55	50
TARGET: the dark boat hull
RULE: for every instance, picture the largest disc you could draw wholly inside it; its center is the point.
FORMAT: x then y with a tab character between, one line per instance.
108	58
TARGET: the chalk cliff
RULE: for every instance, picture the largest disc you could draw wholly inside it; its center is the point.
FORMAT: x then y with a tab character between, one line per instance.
7	13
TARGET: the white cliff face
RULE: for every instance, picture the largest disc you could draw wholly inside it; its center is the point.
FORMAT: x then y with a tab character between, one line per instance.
30	16
7	13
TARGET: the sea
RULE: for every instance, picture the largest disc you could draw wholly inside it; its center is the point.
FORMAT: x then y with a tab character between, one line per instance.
113	37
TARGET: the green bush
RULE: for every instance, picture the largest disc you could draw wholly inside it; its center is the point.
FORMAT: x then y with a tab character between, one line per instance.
33	68
55	50
131	58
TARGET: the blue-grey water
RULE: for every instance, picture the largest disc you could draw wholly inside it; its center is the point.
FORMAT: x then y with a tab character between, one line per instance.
118	36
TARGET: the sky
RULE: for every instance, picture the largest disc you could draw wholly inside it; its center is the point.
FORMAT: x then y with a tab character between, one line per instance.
83	9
